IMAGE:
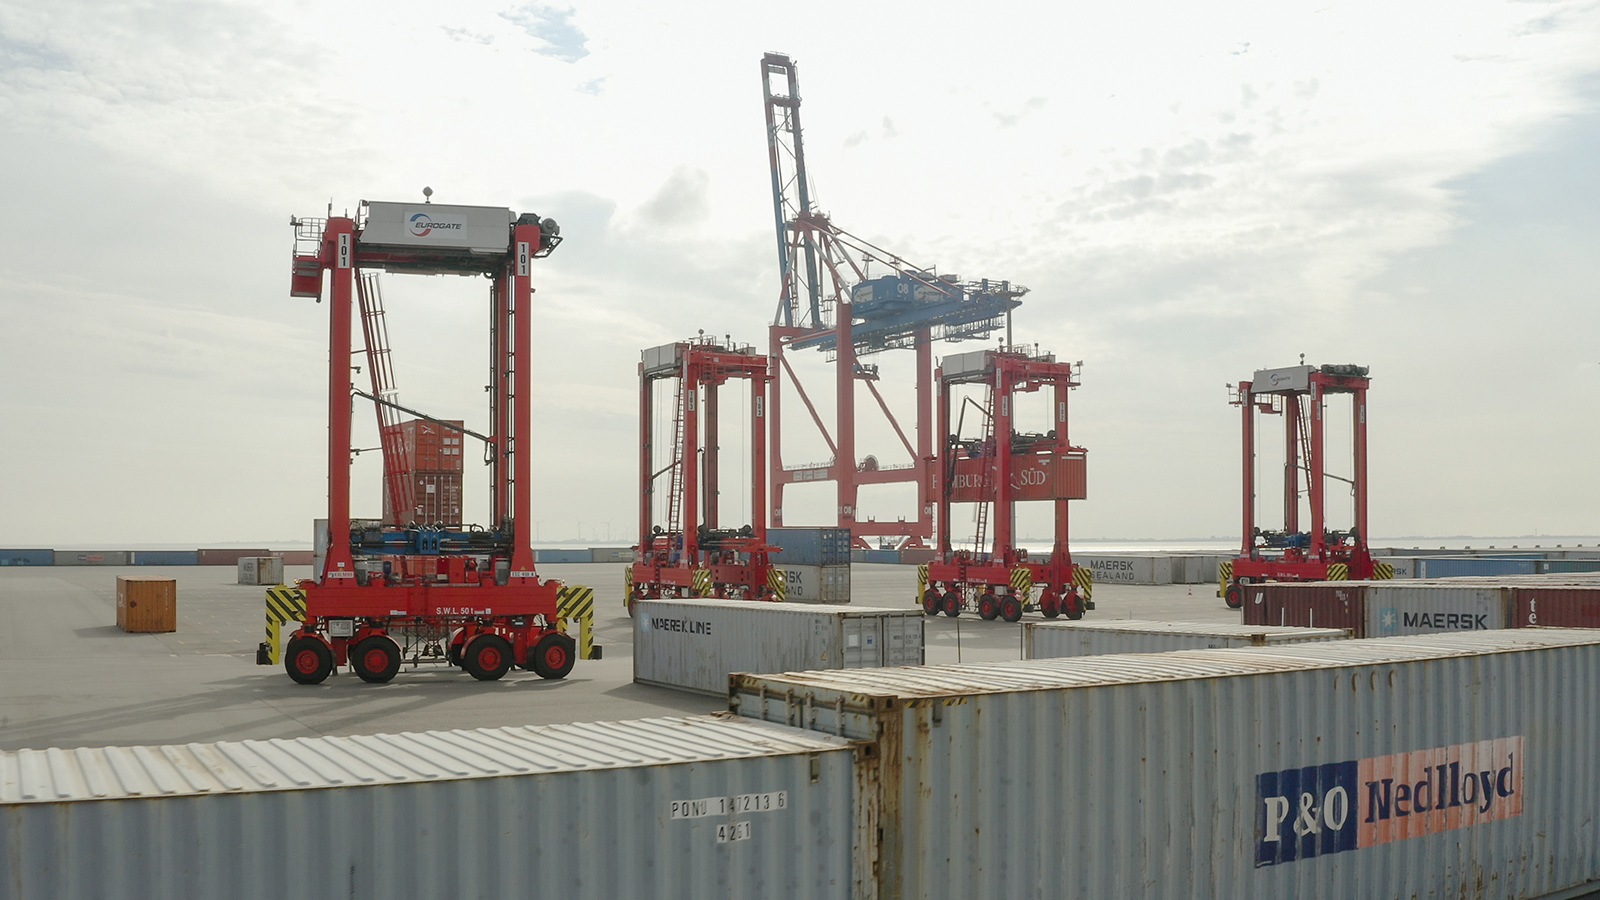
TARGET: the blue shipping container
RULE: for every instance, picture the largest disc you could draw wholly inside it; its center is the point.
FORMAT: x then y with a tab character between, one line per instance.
810	546
1468	566
27	557
1554	566
883	556
166	557
563	556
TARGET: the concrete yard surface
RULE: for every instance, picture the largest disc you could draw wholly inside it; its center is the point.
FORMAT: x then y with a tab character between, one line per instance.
73	679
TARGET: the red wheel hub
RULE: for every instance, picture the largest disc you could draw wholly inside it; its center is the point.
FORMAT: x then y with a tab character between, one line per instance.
375	660
489	657
306	661
555	656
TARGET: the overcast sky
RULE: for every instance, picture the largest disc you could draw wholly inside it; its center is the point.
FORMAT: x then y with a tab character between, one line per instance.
1191	191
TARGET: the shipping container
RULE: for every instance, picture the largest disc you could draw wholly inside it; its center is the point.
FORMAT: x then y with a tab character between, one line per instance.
1561	566
611	554
431	447
90	558
436	499
227	557
164	558
1381	608
1048	640
816	584
696	807
1119	569
1566	606
295	557
891	557
27	557
695	644
810	546
916	556
266	570
1404	566
1477	566
1450	765
563	556
147	603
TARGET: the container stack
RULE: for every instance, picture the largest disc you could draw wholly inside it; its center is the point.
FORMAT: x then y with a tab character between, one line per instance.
1397	608
431	465
815	563
1050	640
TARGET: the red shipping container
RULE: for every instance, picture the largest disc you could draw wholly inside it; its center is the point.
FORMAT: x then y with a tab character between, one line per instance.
1033	477
437	496
294	557
226	557
1556	607
1307	605
431	447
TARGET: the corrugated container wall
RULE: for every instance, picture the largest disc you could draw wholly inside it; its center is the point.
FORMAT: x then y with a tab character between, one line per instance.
226	557
563	556
1459	766
696	644
674	808
165	558
1556	607
1413	608
431	447
1323	604
816	584
1110	569
295	557
1049	640
147	604
90	558
1452	567
261	570
810	546
611	554
27	557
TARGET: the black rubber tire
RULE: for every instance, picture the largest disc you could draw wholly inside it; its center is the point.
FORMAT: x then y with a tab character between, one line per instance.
376	659
308	660
487	657
553	656
932	603
452	652
952	604
988	606
1072	605
1010	608
1233	596
1050	606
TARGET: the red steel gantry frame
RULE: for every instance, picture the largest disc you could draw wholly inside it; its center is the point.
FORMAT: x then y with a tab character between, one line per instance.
1299	394
469	597
692	554
996	470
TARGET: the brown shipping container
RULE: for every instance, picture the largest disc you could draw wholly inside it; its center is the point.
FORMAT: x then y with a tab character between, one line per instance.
1316	605
1556	607
226	557
294	557
437	496
1032	478
431	447
146	603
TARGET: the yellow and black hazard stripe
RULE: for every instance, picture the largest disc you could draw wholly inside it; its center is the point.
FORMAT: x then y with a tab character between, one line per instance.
1083	578
1224	575
922	583
1338	572
1021	580
284	605
779	584
1382	571
574	601
627	588
702	582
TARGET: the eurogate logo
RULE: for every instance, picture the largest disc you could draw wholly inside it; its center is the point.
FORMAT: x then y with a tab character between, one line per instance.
422	225
1317	810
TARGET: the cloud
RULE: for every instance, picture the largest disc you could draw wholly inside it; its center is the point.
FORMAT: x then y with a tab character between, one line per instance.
553	28
463	35
682	200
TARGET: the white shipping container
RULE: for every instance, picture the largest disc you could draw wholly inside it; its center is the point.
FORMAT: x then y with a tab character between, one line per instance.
1417	608
695	644
816	584
1120	569
1048	640
696	807
1459	765
266	570
1404	566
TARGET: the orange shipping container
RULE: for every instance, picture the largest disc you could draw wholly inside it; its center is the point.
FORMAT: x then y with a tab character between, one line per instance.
146	603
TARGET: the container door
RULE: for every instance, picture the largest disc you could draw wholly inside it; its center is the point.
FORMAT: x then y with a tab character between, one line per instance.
902	640
861	642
